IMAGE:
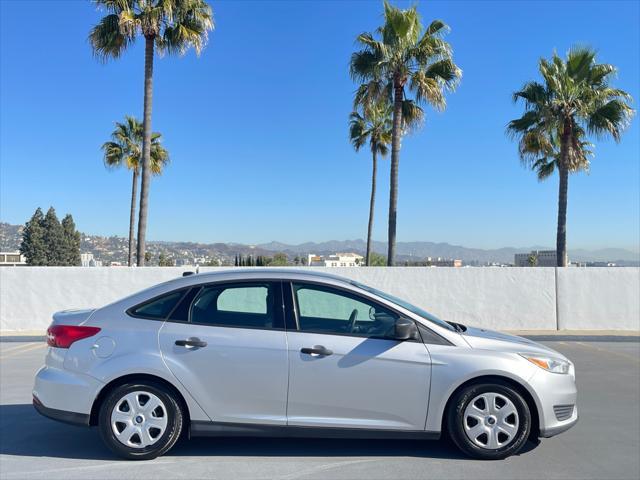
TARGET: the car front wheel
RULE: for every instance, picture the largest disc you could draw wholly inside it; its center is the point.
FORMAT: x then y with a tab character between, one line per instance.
489	421
140	421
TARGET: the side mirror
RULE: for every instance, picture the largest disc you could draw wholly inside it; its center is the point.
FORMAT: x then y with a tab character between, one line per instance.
405	329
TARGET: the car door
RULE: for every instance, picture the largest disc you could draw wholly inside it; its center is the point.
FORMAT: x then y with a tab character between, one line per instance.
344	368
226	344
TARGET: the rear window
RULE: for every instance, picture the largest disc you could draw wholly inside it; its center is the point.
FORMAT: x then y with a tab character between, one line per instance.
158	308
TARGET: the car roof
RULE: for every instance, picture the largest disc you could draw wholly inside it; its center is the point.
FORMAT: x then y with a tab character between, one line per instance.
277	273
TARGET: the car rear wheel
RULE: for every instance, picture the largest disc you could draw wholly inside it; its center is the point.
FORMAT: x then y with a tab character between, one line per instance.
489	421
140	421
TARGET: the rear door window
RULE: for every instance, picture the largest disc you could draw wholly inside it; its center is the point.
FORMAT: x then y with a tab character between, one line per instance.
247	305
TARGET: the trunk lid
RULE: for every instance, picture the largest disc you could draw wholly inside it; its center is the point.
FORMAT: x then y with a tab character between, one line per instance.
72	317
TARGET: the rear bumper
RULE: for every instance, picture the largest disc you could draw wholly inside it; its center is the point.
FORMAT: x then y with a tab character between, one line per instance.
64	391
72	418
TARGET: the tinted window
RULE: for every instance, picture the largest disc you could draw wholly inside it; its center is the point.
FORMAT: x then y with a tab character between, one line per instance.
326	310
181	312
247	305
159	307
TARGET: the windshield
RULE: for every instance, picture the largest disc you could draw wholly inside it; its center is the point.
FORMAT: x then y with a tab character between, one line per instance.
412	308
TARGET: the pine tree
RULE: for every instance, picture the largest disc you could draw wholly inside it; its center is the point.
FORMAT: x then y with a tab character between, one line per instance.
33	245
71	242
53	239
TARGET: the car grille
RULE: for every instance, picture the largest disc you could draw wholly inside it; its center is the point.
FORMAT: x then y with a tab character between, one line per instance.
563	412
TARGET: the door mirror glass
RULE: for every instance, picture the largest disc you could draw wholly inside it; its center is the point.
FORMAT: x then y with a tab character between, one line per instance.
405	329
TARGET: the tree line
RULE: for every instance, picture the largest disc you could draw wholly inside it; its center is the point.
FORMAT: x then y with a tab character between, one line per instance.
278	260
48	242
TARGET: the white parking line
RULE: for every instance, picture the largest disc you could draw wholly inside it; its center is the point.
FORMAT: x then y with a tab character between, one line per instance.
610	352
17	351
80	468
17	347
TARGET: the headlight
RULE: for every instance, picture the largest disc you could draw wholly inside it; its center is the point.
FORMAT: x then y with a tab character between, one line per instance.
553	365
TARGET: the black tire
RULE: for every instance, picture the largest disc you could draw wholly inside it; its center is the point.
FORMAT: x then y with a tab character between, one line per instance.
455	421
162	445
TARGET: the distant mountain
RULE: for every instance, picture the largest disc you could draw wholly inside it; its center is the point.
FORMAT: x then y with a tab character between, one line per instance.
114	249
421	250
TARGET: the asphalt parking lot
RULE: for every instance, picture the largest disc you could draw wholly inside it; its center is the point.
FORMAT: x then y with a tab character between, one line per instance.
605	444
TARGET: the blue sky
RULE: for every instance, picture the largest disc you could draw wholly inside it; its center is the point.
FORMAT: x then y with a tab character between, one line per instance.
257	127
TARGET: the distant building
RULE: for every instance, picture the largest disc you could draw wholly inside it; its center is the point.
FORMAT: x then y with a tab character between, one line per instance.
537	258
12	259
443	262
336	260
87	260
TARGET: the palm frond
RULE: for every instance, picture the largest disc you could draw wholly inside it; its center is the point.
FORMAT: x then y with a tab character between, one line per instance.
544	168
412	115
610	118
191	23
107	40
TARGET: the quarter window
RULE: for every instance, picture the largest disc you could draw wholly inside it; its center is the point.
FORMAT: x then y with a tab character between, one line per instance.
159	307
326	310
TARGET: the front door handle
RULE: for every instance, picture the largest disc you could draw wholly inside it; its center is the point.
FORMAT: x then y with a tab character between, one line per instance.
319	350
191	342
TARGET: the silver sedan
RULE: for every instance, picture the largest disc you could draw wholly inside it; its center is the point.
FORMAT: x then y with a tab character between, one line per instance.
295	353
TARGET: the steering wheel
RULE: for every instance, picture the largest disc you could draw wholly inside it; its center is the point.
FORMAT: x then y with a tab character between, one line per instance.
352	320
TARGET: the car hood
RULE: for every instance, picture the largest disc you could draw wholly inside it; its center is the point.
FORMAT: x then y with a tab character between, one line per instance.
491	340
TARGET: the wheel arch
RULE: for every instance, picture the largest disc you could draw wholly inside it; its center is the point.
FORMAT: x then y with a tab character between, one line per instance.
519	387
132	378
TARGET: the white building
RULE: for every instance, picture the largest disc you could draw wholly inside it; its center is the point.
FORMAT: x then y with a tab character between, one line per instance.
11	259
336	260
539	258
443	262
87	260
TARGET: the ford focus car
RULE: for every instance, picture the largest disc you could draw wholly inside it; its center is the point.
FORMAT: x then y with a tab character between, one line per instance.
295	353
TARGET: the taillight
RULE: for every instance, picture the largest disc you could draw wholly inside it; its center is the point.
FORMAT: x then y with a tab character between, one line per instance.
63	336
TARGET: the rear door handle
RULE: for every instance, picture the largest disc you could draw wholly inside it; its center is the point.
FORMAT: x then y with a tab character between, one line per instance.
319	350
191	342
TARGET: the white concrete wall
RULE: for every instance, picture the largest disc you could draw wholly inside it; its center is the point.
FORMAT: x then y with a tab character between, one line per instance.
592	297
497	298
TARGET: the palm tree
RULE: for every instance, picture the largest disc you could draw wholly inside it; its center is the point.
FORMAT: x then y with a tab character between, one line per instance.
373	126
541	152
125	149
405	57
575	98
171	26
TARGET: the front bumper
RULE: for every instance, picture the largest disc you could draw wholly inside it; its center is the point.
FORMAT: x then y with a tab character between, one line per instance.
555	392
553	431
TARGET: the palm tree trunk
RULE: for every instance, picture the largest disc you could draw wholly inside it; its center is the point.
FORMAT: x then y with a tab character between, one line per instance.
561	240
146	148
395	160
372	204
132	217
563	173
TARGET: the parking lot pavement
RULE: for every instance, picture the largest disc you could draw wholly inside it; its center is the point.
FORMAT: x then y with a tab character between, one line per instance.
605	444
